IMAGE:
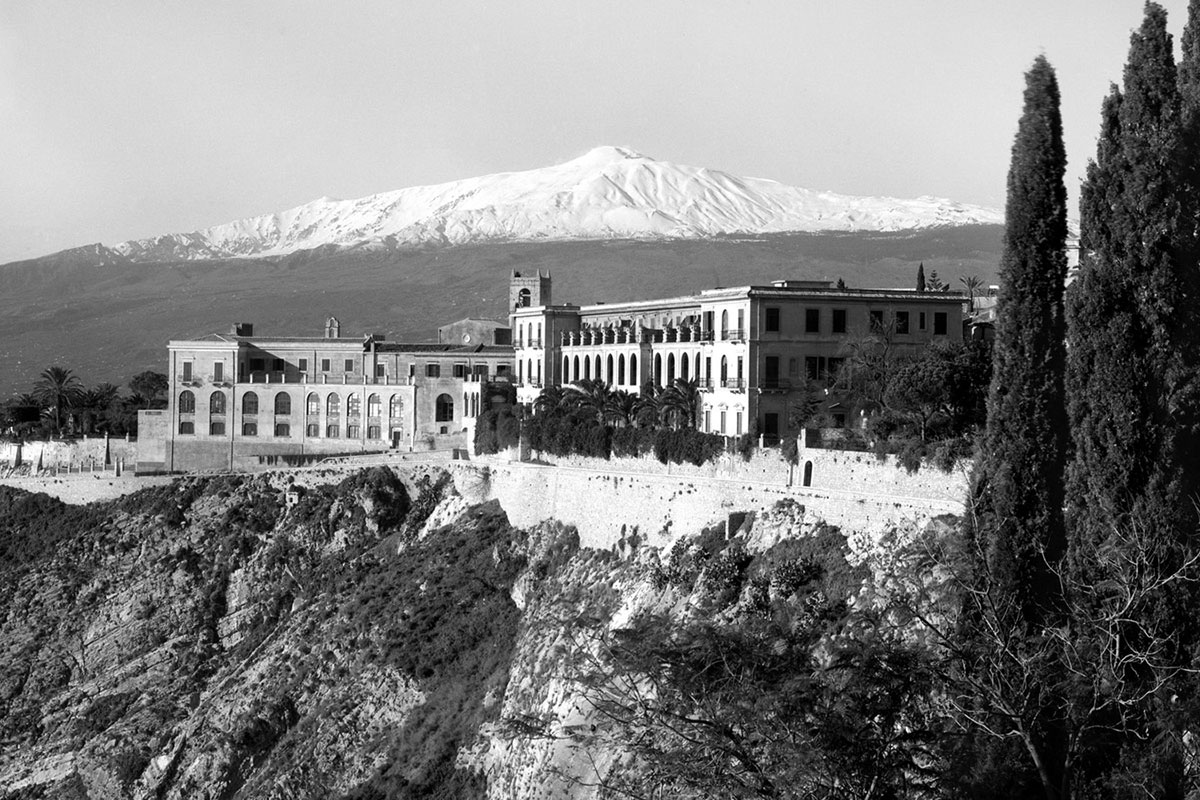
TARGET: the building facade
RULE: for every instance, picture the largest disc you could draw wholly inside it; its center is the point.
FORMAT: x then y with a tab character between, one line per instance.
750	349
238	400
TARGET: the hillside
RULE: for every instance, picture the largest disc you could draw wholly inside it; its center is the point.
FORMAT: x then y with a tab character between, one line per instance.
379	639
110	318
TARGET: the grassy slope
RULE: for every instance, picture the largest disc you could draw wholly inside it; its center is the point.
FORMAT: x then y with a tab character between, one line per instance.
108	323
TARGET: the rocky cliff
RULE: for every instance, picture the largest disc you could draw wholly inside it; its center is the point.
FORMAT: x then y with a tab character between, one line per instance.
377	637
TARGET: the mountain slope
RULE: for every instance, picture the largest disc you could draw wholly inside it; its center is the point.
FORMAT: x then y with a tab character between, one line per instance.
608	193
110	322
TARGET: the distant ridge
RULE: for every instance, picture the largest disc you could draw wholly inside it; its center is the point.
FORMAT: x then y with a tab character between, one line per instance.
608	193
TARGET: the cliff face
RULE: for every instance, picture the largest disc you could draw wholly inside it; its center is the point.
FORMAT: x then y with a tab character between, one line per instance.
379	638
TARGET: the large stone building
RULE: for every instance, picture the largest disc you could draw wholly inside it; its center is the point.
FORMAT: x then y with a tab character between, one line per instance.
238	400
748	347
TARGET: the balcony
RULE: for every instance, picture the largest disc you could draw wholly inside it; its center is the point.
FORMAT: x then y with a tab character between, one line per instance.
736	384
775	385
734	335
704	384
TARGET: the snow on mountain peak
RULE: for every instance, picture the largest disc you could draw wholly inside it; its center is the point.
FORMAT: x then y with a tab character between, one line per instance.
607	193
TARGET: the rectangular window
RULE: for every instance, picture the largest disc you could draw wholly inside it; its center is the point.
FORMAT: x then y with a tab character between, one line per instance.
373	432
812	368
187	370
481	371
277	365
282	429
722	422
772	320
349	365
257	365
812	320
249	429
380	371
901	322
313	429
331	431
352	432
738	417
433	370
302	364
460	370
219	372
835	366
921	321
707	420
324	365
187	428
793	368
939	323
739	372
771	372
216	429
839	320
876	320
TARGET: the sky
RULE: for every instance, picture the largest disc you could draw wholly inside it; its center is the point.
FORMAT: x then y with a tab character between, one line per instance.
132	118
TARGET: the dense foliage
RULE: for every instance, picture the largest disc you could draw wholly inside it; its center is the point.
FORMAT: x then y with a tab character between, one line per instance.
60	404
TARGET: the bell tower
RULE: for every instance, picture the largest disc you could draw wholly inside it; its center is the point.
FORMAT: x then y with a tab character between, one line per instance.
529	290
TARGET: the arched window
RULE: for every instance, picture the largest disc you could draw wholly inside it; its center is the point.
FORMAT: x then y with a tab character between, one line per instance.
621	370
670	369
658	369
724	369
394	407
283	405
724	324
523	298
313	404
249	404
520	371
566	373
529	370
444	411
683	366
374	407
575	372
354	406
598	375
216	404
333	405
587	368
187	402
610	374
633	373
808	473
539	373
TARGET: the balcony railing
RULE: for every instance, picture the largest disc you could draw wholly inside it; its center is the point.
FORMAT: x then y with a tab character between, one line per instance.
733	383
733	335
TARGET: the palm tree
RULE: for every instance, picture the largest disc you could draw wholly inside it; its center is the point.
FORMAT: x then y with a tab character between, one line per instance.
622	407
94	405
57	389
645	410
972	283
591	396
679	403
551	399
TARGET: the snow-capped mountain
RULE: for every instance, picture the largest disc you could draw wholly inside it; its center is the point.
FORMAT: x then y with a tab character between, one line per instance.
608	193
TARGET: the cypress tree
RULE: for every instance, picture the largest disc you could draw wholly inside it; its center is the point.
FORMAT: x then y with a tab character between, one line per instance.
1017	488
1128	326
921	277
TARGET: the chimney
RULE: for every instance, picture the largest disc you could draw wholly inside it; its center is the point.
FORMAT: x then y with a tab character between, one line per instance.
242	329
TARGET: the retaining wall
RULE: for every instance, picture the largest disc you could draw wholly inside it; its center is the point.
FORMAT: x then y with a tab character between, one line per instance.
607	500
89	453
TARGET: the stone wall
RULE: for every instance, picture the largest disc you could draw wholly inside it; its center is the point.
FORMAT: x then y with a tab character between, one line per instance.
609	500
87	454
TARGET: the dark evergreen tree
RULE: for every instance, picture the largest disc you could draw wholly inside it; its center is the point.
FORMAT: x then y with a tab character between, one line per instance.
1132	390
1131	358
921	277
1018	492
